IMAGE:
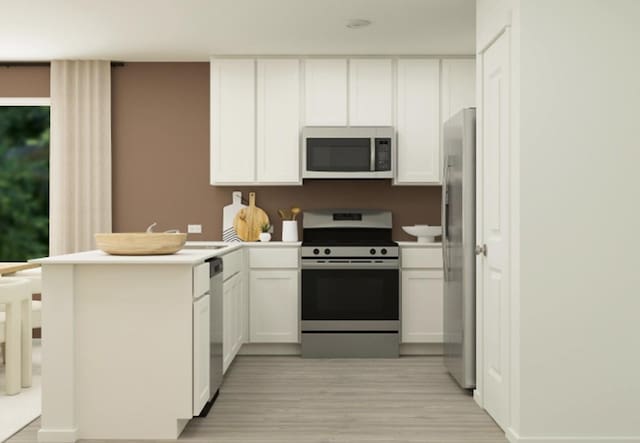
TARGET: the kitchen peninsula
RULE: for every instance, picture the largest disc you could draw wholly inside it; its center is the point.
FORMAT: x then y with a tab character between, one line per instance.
118	355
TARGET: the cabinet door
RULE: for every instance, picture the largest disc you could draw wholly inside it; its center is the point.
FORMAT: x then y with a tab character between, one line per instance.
422	292
234	319
232	121
418	122
370	92
228	324
458	86
278	121
273	306
201	352
325	92
239	313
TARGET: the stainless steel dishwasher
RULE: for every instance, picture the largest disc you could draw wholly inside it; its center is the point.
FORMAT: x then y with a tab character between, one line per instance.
215	331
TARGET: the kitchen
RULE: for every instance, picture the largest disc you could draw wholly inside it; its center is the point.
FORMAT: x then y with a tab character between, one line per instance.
160	151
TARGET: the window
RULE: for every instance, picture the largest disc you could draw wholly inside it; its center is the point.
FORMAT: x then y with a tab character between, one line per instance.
24	179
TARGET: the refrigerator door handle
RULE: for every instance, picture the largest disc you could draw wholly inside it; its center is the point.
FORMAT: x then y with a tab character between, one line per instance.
445	220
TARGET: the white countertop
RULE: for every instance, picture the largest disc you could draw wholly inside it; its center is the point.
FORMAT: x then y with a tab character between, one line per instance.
415	244
251	244
183	257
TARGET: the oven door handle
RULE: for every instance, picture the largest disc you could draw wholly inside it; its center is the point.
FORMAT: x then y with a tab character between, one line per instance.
350	266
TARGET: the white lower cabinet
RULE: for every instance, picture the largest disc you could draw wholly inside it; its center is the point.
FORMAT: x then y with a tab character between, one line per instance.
234	319
273	306
422	306
201	352
422	287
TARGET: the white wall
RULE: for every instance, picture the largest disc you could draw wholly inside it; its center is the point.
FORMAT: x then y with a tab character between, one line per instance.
579	220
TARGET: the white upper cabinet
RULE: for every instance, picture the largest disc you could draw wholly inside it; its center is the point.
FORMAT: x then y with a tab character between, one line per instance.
258	107
418	121
233	108
458	86
278	121
370	92
325	92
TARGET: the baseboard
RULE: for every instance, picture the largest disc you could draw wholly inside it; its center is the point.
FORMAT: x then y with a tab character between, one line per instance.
57	435
294	349
513	437
477	396
270	349
421	349
182	423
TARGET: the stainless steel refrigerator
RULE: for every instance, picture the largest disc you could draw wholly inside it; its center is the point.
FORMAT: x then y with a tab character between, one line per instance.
458	243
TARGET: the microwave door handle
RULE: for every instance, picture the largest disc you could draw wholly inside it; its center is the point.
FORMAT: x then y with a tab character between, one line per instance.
372	159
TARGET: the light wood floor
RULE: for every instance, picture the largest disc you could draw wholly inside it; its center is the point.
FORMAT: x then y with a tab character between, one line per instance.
289	399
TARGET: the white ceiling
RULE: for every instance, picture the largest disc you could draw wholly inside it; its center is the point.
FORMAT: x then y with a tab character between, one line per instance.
184	30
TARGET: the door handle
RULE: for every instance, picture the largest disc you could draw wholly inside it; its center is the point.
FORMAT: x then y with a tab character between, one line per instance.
445	220
481	250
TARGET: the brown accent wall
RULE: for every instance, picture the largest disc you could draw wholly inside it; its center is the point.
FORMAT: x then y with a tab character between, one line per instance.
160	115
24	81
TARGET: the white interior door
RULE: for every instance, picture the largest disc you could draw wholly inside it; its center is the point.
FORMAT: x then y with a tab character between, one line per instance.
494	186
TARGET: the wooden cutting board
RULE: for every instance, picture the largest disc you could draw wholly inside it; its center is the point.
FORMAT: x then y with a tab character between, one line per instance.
229	212
248	221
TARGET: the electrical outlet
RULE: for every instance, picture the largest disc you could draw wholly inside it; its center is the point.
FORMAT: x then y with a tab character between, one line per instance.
194	229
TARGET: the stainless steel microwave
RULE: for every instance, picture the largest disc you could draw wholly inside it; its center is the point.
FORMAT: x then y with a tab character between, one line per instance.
347	152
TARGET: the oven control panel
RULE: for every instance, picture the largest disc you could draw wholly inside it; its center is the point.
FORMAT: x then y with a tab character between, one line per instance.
349	251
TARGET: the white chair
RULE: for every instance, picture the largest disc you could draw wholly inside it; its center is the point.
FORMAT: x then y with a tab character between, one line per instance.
15	297
35	279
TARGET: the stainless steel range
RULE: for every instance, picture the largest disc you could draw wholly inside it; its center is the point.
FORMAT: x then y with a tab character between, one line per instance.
350	284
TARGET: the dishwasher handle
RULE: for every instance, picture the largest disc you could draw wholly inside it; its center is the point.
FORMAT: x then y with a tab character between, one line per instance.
215	266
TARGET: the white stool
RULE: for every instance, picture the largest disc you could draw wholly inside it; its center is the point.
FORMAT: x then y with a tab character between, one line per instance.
15	296
35	279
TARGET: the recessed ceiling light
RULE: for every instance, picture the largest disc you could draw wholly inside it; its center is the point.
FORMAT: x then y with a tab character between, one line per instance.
357	23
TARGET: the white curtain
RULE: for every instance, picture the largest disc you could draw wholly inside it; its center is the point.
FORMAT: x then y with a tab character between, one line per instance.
80	168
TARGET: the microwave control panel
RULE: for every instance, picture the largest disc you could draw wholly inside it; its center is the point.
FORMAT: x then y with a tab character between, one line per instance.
383	154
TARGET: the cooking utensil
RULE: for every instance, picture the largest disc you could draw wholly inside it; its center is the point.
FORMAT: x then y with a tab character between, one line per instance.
295	212
248	221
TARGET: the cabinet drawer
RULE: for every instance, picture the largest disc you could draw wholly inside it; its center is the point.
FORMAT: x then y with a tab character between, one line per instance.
273	258
422	258
231	264
200	280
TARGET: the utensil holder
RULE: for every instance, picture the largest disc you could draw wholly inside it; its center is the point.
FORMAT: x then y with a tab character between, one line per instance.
289	231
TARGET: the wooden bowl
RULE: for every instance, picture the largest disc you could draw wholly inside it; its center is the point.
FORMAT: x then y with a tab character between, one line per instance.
141	243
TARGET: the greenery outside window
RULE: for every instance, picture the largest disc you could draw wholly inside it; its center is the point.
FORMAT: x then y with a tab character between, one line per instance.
24	179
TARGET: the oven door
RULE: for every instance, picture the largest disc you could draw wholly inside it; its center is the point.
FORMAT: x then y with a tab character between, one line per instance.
350	299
